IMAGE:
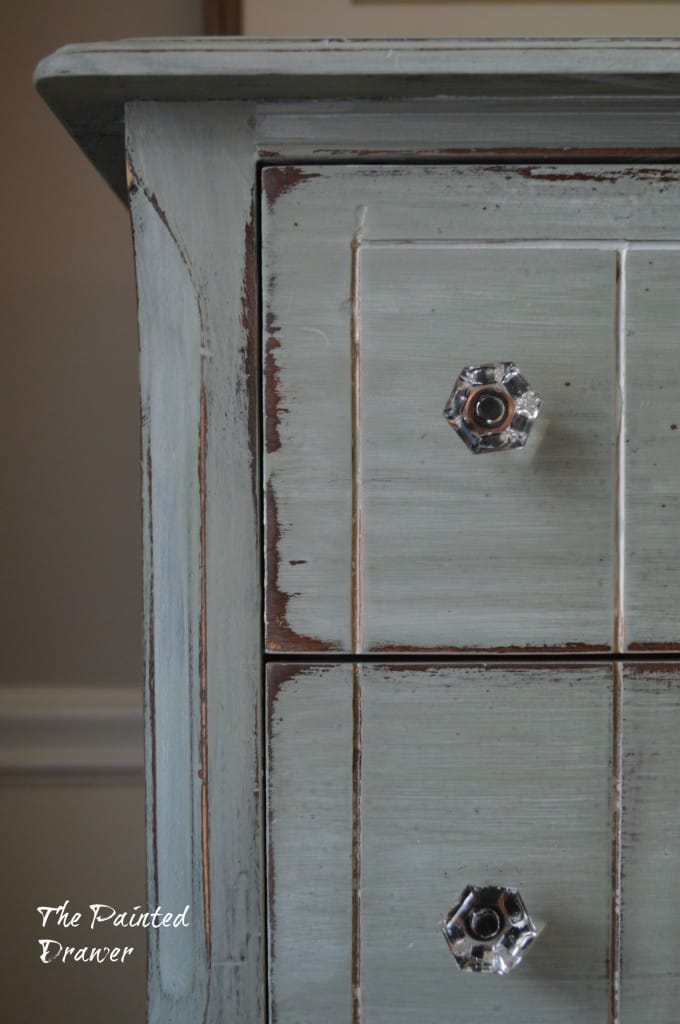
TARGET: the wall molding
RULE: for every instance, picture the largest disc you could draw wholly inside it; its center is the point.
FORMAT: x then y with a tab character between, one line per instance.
71	731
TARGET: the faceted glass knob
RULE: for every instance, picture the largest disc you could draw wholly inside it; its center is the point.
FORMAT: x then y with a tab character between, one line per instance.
492	407
489	929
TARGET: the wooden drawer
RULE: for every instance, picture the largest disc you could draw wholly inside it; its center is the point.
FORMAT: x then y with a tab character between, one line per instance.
390	788
383	533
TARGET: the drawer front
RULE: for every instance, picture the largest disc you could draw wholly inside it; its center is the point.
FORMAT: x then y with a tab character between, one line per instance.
392	788
383	532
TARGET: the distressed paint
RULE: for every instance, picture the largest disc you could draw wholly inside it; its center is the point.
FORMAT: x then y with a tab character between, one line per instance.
437	224
171	663
307	459
500	128
279	180
197	319
467	774
309	800
548	101
88	85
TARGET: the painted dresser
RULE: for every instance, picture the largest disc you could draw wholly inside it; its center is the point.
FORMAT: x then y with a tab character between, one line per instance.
381	667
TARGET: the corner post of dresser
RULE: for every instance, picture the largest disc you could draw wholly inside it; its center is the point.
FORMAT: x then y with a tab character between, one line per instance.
191	171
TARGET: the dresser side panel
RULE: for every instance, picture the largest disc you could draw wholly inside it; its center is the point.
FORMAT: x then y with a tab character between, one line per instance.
192	181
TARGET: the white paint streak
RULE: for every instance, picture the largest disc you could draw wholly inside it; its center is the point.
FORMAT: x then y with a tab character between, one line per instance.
357	440
621	336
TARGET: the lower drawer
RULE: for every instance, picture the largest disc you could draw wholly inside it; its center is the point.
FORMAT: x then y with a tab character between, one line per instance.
392	787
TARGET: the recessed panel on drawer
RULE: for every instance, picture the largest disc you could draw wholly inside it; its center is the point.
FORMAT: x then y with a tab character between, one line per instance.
506	549
652	447
393	788
650	841
384	533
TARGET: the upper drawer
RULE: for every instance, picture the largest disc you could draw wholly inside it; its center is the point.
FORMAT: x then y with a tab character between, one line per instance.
383	532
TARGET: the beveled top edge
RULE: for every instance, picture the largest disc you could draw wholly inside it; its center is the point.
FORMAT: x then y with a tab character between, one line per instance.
87	85
250	57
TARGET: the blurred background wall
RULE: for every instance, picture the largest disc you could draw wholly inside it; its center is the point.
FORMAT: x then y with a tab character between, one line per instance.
71	793
458	18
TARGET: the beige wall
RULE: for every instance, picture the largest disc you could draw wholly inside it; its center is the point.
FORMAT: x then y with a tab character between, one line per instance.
570	18
70	597
79	842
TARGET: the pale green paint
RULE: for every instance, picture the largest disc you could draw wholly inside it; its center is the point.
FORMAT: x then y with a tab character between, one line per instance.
652	445
650	980
202	614
309	835
456	265
468	775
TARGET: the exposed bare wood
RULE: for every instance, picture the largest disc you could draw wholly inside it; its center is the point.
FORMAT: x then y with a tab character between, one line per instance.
456	265
622	93
309	787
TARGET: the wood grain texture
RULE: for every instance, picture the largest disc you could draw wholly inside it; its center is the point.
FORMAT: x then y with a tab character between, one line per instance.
650	844
309	801
314	219
652	443
502	126
479	775
474	774
307	389
191	181
514	549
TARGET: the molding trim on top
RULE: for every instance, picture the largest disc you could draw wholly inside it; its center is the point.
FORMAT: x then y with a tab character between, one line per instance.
73	731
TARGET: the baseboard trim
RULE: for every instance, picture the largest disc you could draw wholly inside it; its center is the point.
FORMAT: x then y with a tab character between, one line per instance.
71	731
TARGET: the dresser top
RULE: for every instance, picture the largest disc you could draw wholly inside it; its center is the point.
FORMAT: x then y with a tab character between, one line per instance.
87	85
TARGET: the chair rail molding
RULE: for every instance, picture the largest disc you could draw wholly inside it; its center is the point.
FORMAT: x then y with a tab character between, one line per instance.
71	731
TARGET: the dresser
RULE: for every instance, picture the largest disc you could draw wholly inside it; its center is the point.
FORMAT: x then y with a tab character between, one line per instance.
387	661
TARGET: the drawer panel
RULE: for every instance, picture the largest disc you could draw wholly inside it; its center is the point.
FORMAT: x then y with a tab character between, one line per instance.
390	789
652	527
650	984
383	533
503	550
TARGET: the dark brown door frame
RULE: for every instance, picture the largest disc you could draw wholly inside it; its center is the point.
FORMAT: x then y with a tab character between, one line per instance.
222	17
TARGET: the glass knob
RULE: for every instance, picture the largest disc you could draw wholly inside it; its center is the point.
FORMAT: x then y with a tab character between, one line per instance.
489	929
492	407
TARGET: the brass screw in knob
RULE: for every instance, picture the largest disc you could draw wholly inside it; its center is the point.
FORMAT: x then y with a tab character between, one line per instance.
489	409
